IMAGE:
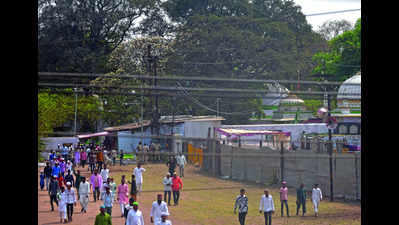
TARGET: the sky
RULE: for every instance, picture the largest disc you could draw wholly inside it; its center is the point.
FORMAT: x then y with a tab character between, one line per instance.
321	6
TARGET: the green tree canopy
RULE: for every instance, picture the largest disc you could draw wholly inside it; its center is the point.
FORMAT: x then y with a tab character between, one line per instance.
343	58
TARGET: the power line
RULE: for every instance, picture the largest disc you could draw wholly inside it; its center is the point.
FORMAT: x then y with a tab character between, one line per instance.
333	12
174	89
149	77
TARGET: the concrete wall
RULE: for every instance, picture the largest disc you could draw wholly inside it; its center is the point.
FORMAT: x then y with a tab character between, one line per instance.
308	167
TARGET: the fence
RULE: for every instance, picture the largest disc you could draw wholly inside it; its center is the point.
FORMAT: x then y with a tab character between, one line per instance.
267	166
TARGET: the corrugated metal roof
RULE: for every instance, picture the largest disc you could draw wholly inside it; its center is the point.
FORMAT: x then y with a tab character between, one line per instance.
164	119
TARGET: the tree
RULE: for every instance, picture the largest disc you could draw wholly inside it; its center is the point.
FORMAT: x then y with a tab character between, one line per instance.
331	29
131	58
342	59
239	39
78	35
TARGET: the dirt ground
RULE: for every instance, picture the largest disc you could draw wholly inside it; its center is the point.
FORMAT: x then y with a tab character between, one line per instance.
198	206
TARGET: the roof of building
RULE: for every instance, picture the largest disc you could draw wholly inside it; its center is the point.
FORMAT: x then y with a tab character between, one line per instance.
165	119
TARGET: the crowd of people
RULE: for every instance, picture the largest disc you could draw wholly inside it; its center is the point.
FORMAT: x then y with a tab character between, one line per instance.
65	185
62	179
266	205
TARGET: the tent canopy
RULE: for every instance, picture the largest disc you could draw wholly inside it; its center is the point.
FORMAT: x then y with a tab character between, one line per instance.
93	135
240	132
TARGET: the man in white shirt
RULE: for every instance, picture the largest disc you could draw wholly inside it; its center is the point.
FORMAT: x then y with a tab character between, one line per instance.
84	190
61	197
181	161
316	198
135	216
138	173
164	220
104	174
158	207
267	207
167	182
70	200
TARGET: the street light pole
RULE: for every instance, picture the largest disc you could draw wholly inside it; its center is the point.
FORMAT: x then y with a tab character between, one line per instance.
330	151
76	108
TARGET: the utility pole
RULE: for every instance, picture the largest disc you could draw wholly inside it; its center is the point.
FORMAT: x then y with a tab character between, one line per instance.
76	108
217	106
153	69
330	151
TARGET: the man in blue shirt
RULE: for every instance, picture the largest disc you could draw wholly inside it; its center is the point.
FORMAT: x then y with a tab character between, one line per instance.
56	170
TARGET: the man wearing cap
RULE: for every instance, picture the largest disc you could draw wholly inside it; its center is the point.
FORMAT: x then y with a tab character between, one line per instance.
284	198
177	186
103	218
158	207
135	216
70	200
53	190
84	190
62	205
167	182
164	220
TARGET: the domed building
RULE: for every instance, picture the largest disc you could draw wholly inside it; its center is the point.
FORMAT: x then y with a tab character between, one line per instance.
348	112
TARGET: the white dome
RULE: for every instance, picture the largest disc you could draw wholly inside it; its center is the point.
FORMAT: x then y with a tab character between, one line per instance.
350	89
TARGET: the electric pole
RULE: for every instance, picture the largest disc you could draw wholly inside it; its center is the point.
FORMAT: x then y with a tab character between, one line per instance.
152	69
330	150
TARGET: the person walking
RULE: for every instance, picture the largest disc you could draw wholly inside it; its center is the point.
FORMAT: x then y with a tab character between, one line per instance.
138	173
103	218
123	190
266	207
181	162
157	208
62	209
164	219
171	164
70	200
61	180
62	167
47	174
133	188
167	182
128	207
56	170
113	187
177	186
41	180
96	182
121	158
53	190
104	172
100	159
84	190
92	160
83	158
284	198
316	198
242	204
108	199
77	158
301	199
69	178
78	179
135	216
